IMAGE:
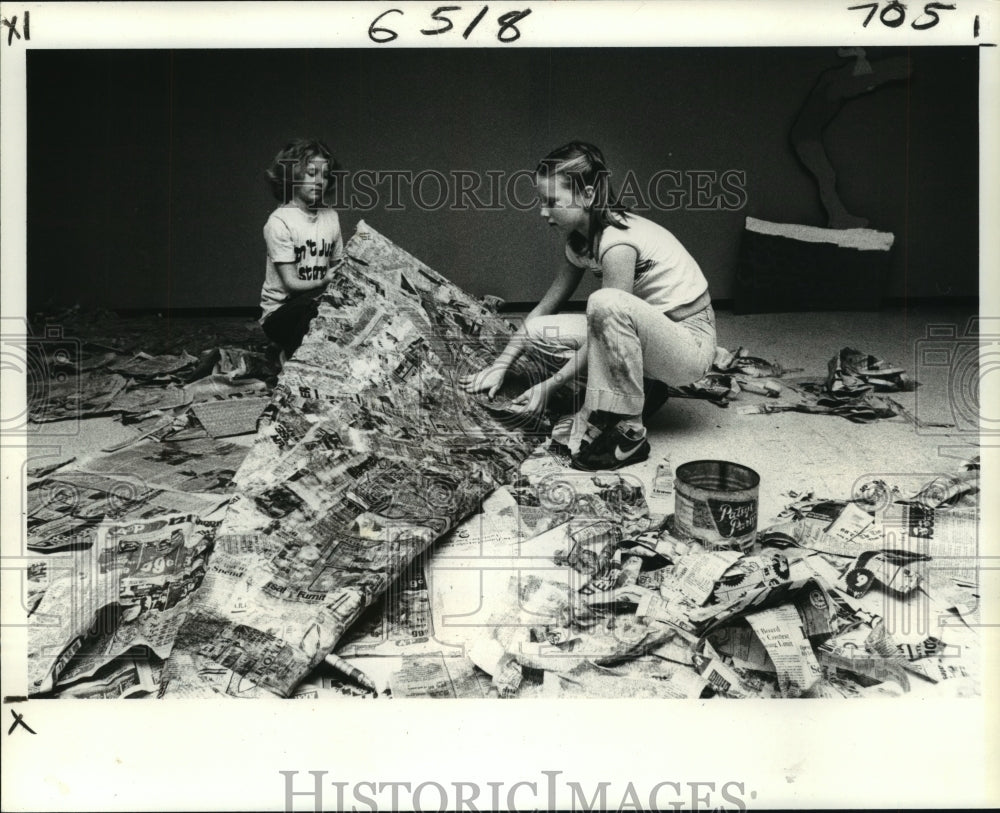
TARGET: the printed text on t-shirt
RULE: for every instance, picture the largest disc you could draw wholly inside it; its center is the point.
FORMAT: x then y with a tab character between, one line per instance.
311	249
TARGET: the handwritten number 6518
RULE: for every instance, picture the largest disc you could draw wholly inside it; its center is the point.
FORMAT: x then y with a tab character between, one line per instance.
894	14
507	30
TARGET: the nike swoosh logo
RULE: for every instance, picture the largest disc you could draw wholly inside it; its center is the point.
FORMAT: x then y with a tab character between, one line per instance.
620	455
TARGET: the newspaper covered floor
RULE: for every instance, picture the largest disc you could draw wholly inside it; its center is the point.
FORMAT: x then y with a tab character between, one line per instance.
388	535
870	596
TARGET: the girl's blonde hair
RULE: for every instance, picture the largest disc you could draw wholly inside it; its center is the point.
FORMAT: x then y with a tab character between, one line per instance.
583	165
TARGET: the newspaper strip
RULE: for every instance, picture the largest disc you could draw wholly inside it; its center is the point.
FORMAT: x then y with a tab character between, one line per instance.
147	399
131	678
696	574
65	509
550	493
73	398
144	365
233	416
133	569
197	465
727	680
780	631
950	536
741	643
435	676
751	573
398	623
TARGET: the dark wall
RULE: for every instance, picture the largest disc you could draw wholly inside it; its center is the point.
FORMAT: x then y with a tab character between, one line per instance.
145	168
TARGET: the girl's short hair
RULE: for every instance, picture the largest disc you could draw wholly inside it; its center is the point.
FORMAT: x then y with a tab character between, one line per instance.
583	165
290	164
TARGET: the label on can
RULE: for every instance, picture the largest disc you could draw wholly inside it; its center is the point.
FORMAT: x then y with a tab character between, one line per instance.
733	518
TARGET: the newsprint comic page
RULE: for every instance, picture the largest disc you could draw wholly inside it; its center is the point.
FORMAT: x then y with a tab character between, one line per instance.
499	405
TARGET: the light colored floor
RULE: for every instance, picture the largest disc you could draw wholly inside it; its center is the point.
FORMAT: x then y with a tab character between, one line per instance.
822	453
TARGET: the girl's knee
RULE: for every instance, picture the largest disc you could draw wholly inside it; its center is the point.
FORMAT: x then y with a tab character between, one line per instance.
605	300
534	329
560	329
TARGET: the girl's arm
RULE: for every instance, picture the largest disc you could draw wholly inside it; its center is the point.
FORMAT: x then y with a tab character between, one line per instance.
338	249
535	398
618	265
566	281
290	279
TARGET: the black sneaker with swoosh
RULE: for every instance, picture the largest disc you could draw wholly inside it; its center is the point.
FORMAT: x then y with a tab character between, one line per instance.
615	448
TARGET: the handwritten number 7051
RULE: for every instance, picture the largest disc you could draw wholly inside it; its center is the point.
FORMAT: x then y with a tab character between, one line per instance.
507	30
894	14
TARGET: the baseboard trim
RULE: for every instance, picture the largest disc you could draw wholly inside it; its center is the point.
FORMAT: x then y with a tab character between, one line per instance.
184	313
888	303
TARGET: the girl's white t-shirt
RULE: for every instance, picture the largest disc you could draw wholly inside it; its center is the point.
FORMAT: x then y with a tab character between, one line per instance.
312	241
666	275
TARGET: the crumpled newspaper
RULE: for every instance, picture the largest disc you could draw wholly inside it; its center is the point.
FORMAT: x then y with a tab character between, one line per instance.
825	604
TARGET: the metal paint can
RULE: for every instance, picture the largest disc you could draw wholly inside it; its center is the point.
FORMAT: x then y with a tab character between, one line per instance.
715	502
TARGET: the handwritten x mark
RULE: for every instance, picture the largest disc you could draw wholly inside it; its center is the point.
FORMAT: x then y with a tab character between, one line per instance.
18	721
12	25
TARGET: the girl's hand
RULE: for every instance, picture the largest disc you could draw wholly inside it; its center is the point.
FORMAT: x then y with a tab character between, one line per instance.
488	381
533	400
